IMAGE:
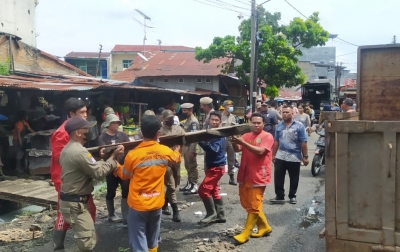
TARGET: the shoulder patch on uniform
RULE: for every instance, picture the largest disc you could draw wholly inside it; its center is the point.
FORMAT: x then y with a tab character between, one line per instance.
194	126
91	159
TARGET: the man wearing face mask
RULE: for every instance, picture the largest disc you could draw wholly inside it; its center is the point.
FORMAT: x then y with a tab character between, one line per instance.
172	175
79	168
74	107
189	150
206	105
228	119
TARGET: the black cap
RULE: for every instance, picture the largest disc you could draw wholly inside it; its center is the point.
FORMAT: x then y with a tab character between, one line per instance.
77	122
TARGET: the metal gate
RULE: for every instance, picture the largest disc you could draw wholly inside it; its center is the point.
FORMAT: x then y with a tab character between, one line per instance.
362	190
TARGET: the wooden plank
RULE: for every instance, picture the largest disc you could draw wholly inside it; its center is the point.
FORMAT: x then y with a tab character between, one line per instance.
388	185
342	208
334	116
189	137
26	191
330	185
378	82
363	126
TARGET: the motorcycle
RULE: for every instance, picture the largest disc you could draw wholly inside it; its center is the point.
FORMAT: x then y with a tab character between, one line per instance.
318	161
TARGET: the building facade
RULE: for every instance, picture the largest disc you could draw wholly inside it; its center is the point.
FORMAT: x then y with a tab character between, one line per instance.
18	18
123	56
90	63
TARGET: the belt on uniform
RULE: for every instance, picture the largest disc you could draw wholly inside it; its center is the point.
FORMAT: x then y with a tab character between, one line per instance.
75	198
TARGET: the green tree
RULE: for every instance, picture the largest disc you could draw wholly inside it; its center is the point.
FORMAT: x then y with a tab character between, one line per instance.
277	54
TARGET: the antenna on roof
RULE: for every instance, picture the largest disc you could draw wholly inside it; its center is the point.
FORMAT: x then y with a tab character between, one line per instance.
159	43
145	17
142	56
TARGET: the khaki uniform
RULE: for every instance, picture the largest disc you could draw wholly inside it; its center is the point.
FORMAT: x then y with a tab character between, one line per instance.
191	124
206	123
173	173
229	120
78	170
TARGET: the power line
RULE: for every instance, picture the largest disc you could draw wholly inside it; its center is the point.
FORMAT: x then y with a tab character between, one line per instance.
239	1
224	8
295	9
345	54
307	17
346	41
222	3
264	2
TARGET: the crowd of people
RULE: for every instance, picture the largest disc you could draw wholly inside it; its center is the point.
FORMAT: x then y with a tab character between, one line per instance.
278	136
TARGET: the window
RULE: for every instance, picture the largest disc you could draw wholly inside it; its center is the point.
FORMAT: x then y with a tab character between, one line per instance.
126	63
165	80
151	80
208	80
199	80
180	80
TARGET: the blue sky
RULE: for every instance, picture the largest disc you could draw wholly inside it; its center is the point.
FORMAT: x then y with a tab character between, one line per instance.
77	25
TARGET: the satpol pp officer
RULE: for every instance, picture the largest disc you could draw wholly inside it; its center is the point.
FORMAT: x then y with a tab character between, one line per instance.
173	173
79	168
228	119
189	150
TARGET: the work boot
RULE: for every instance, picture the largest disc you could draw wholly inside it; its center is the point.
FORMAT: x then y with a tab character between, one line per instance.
18	168
175	213
211	215
219	208
263	227
124	211
232	179
183	189
58	240
111	212
165	208
192	189
244	236
153	249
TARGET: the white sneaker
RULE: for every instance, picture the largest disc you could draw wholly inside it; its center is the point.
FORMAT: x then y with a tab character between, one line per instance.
115	218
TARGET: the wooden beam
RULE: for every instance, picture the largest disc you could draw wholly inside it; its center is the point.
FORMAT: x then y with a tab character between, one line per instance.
189	137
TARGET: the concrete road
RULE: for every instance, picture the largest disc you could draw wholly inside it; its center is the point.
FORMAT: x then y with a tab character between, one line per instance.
295	227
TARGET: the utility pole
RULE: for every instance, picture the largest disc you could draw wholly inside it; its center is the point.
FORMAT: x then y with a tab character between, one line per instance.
338	75
98	61
253	62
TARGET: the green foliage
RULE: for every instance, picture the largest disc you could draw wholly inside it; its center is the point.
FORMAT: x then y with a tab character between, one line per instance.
5	67
271	91
277	54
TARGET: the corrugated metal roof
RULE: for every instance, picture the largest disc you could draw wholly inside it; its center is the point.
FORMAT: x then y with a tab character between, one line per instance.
151	48
87	55
171	64
74	83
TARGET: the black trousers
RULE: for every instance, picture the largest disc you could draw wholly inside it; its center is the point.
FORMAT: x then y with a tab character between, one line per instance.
280	168
112	185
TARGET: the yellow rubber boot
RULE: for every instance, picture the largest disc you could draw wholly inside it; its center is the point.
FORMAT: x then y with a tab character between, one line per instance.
248	228
263	227
153	249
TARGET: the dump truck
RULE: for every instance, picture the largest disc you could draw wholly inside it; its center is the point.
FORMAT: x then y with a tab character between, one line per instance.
362	189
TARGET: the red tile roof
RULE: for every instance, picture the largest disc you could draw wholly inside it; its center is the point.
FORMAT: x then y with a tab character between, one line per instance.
151	48
170	64
88	55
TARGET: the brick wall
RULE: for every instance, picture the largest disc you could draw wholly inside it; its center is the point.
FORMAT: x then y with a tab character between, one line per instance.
30	59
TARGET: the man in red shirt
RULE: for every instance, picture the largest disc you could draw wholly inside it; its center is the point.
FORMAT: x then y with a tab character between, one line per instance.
253	176
60	138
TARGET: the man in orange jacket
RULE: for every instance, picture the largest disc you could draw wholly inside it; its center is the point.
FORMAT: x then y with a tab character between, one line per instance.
145	166
253	176
74	107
